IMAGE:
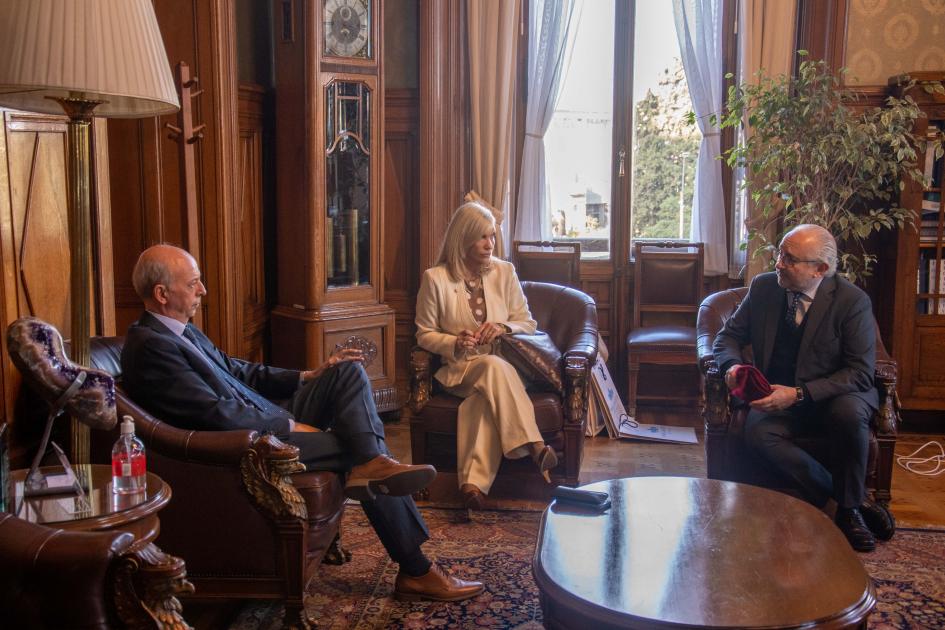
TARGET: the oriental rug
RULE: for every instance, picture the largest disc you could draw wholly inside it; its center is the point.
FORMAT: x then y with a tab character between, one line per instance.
497	548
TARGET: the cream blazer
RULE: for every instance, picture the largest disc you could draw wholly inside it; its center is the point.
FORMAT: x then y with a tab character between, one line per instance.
443	312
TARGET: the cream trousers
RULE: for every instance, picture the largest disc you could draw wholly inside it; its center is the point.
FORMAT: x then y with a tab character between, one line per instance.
495	419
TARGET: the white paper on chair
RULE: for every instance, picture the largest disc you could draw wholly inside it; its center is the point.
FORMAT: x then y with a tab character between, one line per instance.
630	428
595	424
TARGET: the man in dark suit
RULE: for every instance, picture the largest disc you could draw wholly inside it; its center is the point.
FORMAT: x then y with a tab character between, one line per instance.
175	372
812	334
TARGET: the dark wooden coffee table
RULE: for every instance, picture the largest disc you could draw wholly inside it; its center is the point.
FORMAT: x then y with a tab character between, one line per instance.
676	552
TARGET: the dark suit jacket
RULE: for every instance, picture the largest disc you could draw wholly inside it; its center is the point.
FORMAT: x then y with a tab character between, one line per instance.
164	375
837	354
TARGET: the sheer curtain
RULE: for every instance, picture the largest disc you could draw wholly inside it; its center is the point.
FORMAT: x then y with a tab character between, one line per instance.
551	28
492	29
766	42
699	30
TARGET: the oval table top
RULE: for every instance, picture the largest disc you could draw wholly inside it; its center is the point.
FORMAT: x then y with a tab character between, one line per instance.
685	552
102	509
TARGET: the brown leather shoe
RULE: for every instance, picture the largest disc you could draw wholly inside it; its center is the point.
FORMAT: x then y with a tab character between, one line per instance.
437	585
473	497
385	475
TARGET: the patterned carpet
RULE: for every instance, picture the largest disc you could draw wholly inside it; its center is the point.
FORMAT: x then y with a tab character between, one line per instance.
497	548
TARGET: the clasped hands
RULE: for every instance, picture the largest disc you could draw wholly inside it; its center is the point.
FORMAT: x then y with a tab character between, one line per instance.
488	332
336	357
779	399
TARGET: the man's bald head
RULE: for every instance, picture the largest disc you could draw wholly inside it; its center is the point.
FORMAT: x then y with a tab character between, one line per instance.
816	242
167	279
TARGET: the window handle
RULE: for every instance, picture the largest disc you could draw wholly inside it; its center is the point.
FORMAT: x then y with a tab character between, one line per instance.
621	159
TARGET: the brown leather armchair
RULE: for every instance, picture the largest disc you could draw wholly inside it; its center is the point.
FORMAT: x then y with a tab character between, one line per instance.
57	579
570	319
245	517
724	416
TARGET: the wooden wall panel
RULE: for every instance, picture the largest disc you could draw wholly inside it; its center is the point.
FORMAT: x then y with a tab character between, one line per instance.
146	184
250	255
34	240
401	229
444	116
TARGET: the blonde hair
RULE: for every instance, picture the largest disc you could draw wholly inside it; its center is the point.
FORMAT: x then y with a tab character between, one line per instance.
469	222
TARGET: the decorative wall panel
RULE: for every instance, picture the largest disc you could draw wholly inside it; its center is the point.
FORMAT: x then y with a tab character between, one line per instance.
888	37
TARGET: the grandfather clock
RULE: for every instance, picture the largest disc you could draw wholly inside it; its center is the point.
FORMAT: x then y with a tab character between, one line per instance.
329	215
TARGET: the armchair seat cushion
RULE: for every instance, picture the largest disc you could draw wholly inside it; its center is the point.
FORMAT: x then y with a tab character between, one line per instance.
439	415
668	337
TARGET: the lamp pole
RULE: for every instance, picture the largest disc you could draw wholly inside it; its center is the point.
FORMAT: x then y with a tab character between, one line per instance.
78	177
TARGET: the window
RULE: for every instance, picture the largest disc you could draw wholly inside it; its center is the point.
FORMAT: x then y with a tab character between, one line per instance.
606	180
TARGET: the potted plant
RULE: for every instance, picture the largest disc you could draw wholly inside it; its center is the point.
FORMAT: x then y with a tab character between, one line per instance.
814	155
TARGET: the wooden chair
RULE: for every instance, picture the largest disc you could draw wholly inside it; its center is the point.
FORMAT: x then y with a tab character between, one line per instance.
667	289
556	262
726	456
246	517
570	319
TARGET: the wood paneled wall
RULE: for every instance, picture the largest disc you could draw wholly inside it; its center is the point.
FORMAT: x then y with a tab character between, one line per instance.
146	183
250	226
34	242
401	265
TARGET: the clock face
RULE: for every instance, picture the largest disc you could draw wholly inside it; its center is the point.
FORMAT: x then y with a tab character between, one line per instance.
347	25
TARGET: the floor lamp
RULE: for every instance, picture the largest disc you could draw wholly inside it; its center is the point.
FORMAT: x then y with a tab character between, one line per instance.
87	58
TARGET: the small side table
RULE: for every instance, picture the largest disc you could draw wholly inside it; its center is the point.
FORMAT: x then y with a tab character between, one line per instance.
148	579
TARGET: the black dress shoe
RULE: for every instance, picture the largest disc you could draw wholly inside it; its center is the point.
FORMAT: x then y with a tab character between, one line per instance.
879	519
850	522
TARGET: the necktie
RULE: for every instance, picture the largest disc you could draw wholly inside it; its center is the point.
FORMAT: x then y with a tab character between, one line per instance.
791	315
242	391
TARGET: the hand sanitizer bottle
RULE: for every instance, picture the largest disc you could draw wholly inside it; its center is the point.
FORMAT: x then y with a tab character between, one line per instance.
128	461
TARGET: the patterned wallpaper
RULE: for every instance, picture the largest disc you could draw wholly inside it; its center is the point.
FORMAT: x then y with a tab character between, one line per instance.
887	37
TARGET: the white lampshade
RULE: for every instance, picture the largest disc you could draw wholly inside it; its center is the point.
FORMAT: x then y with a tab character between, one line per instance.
103	50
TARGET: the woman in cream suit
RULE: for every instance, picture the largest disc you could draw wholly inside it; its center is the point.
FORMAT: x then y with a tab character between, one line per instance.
465	302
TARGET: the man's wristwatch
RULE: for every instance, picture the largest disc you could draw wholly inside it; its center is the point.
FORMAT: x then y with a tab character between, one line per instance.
799	398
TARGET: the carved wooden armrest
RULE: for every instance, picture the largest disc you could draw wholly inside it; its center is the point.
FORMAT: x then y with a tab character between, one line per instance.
717	412
421	378
267	468
886	418
577	372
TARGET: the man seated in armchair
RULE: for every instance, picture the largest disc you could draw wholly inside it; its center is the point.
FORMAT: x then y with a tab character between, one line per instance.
812	334
171	369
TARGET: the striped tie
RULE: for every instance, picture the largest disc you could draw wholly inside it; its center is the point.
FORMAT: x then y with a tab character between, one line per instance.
791	316
242	391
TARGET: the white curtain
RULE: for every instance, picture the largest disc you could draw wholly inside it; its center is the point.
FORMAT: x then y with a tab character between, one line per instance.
551	28
766	32
699	30
492	30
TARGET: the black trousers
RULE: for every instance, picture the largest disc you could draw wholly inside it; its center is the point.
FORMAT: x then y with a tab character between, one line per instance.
845	420
341	403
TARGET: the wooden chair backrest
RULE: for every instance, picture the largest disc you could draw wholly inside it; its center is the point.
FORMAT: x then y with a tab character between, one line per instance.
557	262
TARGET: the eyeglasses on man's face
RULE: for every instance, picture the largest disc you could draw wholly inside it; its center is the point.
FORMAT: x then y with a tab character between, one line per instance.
791	260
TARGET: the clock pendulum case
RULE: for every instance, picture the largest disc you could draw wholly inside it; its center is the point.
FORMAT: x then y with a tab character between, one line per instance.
329	206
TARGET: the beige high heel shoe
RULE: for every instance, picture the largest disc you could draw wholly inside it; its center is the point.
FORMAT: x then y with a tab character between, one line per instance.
545	459
473	497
